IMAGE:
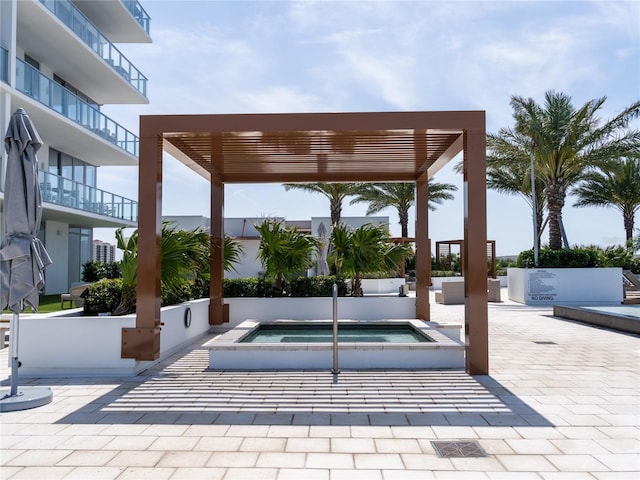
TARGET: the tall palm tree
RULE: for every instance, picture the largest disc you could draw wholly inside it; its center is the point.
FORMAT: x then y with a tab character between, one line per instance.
400	196
618	186
366	249
335	192
566	144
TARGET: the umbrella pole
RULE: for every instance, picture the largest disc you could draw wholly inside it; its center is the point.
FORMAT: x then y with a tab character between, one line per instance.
13	353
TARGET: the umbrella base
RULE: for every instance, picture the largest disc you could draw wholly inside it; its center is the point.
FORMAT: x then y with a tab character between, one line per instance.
27	397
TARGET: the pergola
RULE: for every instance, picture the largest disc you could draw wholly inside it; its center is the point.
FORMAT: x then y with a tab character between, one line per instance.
313	147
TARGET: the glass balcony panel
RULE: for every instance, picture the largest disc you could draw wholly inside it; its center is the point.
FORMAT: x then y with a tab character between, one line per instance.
4	65
64	191
73	18
35	85
138	13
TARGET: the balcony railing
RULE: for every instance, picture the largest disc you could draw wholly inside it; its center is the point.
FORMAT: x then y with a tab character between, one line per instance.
62	191
43	89
73	18
138	13
4	65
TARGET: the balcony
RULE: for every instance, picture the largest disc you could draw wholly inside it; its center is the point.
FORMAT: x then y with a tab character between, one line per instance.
138	13
4	65
53	95
68	193
78	23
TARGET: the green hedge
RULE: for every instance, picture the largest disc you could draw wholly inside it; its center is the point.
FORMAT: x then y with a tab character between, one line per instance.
547	258
301	287
317	287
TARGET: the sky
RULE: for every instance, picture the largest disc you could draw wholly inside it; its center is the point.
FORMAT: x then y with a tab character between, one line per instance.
369	56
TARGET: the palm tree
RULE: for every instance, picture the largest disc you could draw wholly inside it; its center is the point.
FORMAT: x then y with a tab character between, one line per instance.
617	187
514	178
335	192
284	251
400	196
363	250
566	144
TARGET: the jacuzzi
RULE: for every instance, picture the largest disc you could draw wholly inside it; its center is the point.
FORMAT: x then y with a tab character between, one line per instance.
440	347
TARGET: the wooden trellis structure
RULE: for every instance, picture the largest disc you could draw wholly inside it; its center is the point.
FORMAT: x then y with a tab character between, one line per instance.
443	254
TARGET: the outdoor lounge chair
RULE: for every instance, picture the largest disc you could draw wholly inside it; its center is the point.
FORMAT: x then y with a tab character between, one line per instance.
631	284
452	293
74	296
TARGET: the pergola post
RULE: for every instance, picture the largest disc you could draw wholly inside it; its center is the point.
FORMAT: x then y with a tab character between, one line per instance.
475	253
143	341
218	311
423	250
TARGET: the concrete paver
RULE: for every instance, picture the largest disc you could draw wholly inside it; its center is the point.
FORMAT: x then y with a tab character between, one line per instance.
566	410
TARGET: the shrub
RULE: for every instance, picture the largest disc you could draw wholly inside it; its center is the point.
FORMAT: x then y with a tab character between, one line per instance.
317	287
94	271
583	257
187	290
103	296
240	287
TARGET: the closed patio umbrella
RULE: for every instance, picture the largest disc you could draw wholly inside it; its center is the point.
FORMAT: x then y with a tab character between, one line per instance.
23	257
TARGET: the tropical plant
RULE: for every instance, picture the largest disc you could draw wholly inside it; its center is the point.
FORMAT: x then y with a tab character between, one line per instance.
335	192
400	196
566	144
184	256
233	251
618	186
128	269
367	249
284	251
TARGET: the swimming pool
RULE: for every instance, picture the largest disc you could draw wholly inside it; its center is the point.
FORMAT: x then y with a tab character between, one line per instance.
440	346
321	333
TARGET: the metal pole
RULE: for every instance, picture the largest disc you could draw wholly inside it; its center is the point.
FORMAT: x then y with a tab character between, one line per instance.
535	212
335	370
13	353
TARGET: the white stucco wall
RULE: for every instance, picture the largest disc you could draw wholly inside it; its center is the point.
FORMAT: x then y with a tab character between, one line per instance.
568	286
57	243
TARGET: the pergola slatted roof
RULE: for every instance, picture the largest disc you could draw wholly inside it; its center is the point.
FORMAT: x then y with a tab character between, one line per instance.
283	150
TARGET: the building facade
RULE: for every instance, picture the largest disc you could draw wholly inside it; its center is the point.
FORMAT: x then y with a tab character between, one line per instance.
60	63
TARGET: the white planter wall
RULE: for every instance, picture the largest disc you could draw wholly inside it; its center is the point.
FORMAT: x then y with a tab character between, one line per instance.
319	308
67	345
568	286
381	285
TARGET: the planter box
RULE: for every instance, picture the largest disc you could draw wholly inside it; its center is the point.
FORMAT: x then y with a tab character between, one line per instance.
569	286
381	285
67	345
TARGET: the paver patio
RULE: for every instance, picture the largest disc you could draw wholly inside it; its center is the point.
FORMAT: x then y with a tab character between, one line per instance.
562	402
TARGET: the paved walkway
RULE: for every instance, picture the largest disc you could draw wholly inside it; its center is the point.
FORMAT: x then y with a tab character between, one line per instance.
562	402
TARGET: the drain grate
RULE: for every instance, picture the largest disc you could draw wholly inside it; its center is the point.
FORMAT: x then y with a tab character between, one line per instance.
544	342
459	449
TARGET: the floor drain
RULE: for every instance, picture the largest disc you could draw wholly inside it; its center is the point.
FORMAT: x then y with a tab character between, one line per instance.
458	449
544	342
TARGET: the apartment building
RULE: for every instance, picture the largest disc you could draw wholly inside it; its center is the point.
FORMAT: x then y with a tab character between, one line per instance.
103	252
59	61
